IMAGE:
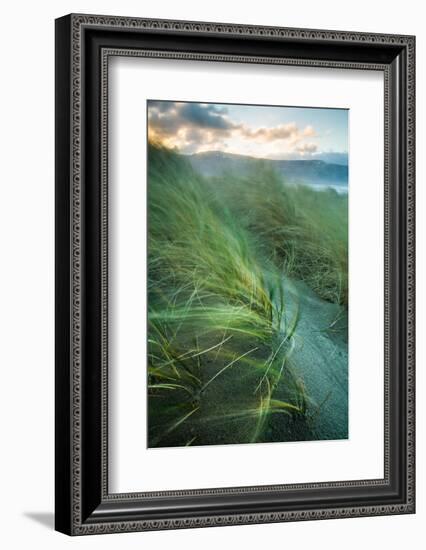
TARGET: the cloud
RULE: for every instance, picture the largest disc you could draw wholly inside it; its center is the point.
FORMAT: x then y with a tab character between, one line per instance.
193	127
188	126
204	116
309	131
169	116
283	131
307	148
161	106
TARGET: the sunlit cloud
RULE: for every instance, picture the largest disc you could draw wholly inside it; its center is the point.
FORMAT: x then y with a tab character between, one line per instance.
196	127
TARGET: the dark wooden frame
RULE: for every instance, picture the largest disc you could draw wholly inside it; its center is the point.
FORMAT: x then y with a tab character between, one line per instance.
83	46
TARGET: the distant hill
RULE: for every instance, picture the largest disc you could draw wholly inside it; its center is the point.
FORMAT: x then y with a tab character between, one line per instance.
215	163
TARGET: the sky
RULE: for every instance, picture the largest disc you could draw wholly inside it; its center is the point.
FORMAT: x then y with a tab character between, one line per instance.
258	131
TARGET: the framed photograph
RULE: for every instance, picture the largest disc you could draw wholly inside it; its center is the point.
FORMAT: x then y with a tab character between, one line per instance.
234	274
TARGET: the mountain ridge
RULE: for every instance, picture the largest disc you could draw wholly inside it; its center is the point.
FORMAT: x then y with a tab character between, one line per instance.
312	171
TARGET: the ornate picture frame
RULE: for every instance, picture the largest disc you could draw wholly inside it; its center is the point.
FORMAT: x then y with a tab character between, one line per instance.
84	45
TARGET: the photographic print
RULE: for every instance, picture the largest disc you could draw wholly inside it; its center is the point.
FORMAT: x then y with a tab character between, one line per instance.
247	273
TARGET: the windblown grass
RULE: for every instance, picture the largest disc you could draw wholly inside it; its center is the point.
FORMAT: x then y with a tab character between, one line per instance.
217	254
302	230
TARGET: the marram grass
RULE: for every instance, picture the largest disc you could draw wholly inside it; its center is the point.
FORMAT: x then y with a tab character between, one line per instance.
221	330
